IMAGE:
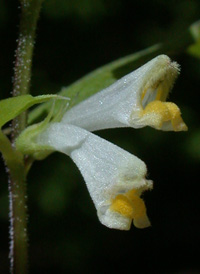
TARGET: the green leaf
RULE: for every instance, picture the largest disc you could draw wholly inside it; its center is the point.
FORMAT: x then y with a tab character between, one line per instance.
108	74
12	107
194	49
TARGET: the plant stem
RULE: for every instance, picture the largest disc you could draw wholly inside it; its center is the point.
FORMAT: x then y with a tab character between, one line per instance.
30	10
22	72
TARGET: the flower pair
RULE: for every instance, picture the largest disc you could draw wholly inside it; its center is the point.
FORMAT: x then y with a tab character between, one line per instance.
114	177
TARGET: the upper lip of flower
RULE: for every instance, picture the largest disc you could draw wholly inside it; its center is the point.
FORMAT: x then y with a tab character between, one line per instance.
159	80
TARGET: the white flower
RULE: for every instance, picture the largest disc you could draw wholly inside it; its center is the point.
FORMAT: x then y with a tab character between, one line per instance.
114	177
136	100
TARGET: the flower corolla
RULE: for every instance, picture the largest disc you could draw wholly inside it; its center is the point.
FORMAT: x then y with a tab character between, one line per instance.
114	177
136	100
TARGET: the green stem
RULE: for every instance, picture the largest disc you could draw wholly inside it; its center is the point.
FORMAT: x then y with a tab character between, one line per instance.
22	72
30	10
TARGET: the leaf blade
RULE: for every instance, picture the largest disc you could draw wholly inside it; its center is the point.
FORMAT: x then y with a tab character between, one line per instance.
12	107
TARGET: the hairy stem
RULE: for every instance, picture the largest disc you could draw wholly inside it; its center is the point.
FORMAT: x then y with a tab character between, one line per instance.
17	184
22	72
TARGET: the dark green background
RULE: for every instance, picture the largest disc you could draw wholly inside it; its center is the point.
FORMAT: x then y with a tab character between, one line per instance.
73	38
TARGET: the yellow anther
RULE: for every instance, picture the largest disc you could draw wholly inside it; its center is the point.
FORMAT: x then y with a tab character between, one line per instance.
132	206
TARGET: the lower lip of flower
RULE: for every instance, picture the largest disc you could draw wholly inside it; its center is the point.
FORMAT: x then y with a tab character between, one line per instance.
130	205
164	112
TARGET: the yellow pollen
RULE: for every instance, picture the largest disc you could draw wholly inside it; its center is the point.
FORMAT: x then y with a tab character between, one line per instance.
132	206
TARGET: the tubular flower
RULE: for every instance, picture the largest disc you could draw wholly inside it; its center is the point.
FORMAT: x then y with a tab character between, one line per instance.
136	100
115	178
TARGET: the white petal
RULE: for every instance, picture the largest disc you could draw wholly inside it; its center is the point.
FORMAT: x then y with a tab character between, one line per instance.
107	169
123	103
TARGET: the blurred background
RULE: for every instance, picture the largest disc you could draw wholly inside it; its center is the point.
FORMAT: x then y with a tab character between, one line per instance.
65	236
